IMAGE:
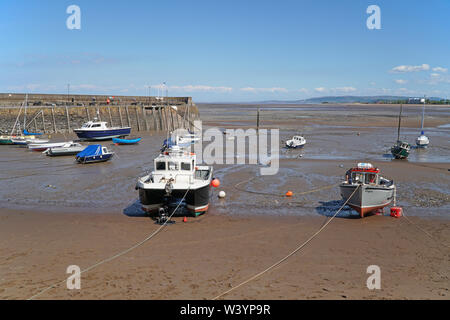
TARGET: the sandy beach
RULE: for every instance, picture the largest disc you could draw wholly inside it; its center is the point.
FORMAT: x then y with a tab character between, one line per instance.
56	213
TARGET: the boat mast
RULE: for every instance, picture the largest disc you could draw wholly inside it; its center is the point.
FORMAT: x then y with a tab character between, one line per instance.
423	113
25	112
399	121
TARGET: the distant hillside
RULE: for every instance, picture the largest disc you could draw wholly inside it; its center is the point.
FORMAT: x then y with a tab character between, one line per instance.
345	99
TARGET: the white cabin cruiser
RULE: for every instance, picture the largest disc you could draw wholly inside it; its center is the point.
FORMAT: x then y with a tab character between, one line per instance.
175	177
374	192
99	130
296	142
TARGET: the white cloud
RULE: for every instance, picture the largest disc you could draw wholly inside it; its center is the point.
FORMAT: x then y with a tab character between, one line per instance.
271	90
440	69
344	89
406	68
336	90
303	90
401	81
320	89
194	88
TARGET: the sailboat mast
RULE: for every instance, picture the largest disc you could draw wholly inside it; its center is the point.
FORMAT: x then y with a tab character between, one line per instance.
25	113
423	112
399	121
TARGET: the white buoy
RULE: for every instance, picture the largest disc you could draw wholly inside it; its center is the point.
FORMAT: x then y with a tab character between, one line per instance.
222	194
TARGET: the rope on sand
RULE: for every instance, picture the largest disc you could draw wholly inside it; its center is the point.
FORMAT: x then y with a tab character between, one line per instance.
423	230
290	254
118	254
236	186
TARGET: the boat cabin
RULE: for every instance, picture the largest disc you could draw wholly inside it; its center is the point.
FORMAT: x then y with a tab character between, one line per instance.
403	145
363	173
179	165
95	125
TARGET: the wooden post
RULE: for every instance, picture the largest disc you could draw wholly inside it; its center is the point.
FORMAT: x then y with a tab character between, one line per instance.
160	119
68	119
120	116
166	119
257	122
177	116
43	120
110	116
171	117
53	119
137	119
155	123
145	118
128	116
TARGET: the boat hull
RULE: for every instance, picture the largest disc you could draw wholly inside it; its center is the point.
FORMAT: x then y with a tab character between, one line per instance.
94	159
85	134
197	200
55	152
125	141
399	152
367	199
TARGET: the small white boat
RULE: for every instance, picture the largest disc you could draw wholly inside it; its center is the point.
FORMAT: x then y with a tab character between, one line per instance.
68	149
296	142
422	141
374	193
24	140
44	146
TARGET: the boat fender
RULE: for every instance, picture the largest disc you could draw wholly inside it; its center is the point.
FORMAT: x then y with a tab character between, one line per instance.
396	212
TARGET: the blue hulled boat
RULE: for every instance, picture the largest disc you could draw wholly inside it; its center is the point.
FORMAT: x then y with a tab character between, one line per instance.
94	153
126	141
99	130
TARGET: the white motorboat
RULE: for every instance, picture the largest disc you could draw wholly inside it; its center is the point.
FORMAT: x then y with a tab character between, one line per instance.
99	130
176	175
296	142
422	141
67	149
44	146
374	192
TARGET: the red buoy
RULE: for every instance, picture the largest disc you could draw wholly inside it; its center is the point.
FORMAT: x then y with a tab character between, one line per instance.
396	212
215	183
289	194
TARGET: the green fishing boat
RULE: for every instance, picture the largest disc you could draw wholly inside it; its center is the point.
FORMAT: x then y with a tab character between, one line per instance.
6	140
402	148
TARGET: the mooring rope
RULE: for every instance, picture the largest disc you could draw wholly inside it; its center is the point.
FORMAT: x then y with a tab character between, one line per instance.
423	230
118	254
290	254
280	195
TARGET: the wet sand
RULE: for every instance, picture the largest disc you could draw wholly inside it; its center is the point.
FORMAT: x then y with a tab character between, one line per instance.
56	213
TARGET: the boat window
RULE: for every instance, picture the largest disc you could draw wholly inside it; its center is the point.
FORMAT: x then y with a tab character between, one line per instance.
357	176
174	165
186	166
160	165
96	126
371	178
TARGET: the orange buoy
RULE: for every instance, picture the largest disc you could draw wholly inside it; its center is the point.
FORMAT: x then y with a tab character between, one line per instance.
289	194
184	219
215	183
396	212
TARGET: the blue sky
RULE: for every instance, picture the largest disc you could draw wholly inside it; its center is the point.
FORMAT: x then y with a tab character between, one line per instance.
226	50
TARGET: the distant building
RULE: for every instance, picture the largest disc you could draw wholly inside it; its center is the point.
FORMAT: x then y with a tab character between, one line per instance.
415	100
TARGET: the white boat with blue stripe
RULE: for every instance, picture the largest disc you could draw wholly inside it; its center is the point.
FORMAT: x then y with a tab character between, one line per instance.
99	130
